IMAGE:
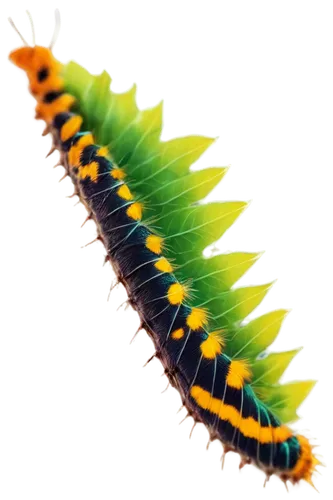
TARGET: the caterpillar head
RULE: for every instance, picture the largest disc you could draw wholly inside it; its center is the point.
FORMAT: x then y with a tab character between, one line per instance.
41	67
32	59
37	61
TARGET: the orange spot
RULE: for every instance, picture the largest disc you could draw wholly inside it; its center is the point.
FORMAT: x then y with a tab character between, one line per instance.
178	334
103	151
118	173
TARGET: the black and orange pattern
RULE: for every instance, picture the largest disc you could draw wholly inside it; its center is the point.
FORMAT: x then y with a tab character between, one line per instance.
215	388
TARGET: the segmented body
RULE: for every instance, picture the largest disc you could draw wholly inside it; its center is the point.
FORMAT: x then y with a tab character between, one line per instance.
214	388
212	385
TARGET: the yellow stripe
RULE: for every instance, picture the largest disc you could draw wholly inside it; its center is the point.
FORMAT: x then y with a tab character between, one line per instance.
71	127
247	426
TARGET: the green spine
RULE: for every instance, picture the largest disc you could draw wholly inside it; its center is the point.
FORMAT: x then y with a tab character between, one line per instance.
159	174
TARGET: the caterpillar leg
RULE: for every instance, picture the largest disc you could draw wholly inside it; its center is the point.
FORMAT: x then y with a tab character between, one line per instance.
125	305
50	152
90	243
165	390
138	330
268	479
85	222
60	164
287	487
74	195
179	409
208	445
45	131
106	263
114	285
192	429
182	420
62	178
223	460
242	464
147	362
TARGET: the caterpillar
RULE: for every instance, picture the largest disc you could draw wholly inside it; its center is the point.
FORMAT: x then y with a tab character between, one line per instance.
146	203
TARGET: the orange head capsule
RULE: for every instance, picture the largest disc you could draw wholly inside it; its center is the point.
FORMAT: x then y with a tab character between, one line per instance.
38	62
41	67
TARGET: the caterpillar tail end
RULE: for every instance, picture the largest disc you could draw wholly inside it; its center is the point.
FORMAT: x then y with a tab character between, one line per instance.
306	465
305	472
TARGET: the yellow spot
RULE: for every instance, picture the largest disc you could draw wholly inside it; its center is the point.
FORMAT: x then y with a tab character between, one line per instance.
71	127
176	293
238	372
197	318
118	173
178	334
154	243
103	151
125	193
212	346
249	427
134	211
76	150
90	170
47	111
164	265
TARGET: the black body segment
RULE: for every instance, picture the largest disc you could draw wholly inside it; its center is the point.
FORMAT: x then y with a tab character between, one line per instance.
125	238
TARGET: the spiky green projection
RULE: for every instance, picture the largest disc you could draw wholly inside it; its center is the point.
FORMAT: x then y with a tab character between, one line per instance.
159	174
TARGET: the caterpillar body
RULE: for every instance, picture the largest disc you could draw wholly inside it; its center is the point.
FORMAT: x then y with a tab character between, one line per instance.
143	198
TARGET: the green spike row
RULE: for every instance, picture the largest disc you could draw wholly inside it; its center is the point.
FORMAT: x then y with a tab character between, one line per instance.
158	172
